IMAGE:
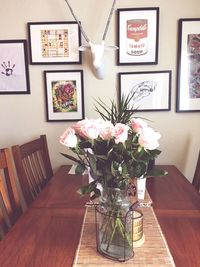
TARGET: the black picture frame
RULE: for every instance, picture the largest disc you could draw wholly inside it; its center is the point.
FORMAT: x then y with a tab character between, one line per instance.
151	89
54	42
188	65
64	91
137	36
14	74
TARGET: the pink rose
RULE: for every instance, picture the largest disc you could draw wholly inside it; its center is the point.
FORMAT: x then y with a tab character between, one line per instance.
90	129
68	138
138	125
121	132
79	125
106	130
149	138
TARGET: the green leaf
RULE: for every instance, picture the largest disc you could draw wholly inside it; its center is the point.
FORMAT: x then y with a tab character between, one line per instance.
92	161
87	189
124	169
138	169
154	153
156	172
80	168
70	157
97	174
96	194
118	112
101	157
84	144
105	108
114	168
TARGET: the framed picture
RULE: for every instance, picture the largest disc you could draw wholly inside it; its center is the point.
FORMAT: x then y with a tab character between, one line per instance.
151	91
54	42
137	36
64	95
14	74
188	66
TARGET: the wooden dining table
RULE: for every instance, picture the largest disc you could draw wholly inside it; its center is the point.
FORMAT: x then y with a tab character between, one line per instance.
176	204
47	234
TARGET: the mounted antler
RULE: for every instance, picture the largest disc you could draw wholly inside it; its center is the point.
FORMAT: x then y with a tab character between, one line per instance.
97	50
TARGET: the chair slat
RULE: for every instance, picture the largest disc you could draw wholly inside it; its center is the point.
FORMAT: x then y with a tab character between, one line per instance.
5	199
33	166
30	178
5	213
37	168
34	177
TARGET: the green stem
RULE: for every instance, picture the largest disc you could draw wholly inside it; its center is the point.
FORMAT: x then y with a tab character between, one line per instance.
111	238
106	227
123	230
118	223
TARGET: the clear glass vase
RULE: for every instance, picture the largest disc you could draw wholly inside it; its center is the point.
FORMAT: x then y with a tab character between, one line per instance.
114	231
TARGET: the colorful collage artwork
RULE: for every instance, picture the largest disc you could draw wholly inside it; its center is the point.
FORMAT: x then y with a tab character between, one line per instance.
55	43
64	95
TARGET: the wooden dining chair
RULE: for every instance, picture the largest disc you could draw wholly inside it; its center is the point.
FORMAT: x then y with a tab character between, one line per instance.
196	179
33	166
10	207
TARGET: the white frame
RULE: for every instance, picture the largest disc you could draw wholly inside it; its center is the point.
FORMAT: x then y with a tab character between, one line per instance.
158	99
187	81
54	77
14	74
72	43
152	16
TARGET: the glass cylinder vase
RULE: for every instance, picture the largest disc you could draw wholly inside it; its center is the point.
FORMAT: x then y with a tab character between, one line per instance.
114	231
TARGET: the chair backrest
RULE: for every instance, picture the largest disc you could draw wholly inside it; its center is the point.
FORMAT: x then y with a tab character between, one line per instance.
196	179
33	166
10	208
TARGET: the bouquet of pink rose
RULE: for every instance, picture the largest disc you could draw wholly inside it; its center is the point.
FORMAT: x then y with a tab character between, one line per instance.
115	149
113	152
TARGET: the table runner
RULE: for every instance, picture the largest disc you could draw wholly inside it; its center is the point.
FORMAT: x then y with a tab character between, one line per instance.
154	252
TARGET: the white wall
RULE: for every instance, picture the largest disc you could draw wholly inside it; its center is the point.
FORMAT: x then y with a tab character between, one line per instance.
22	117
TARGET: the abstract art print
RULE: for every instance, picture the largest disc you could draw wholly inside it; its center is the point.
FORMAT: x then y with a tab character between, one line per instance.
188	67
14	73
151	91
54	42
64	95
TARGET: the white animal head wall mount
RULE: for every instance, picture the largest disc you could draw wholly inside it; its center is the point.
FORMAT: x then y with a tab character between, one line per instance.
97	50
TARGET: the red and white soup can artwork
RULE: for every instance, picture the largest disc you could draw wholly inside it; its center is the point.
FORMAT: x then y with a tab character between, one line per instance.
137	31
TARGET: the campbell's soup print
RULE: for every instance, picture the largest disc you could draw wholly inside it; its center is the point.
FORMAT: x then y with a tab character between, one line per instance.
137	37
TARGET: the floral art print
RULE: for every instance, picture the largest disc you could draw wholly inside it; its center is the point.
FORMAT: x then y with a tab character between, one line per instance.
64	96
